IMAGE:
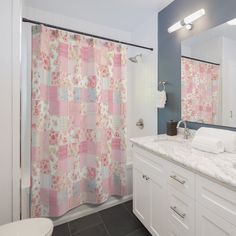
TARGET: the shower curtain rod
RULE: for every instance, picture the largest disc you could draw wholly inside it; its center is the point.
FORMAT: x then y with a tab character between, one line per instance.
195	59
86	34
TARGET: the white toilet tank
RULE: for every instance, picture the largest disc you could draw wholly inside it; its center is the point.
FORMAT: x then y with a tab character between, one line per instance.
28	227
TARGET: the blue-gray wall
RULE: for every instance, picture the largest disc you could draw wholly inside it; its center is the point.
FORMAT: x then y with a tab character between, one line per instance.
169	47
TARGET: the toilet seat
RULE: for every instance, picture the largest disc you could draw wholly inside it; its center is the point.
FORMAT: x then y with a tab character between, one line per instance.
28	227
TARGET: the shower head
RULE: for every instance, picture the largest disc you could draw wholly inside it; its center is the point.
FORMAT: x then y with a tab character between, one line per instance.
134	59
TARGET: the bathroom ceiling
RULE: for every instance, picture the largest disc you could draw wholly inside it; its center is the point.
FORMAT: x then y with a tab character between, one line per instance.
122	14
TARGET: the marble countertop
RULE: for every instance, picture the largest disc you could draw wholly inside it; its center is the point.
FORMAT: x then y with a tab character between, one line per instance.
220	167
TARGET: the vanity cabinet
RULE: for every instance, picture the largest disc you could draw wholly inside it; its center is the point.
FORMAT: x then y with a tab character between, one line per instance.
173	201
141	196
149	193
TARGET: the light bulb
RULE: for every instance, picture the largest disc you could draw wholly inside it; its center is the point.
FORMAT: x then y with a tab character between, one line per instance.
175	27
232	22
189	19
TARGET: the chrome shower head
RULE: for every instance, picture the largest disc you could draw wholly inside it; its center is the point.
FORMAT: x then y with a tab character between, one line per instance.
134	59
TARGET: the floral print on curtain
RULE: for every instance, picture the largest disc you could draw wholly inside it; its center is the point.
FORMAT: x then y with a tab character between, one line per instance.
200	91
78	121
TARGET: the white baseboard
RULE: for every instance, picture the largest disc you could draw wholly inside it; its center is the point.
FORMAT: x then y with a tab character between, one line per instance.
88	210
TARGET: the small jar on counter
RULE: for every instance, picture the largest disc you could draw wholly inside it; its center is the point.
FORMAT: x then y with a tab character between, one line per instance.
171	129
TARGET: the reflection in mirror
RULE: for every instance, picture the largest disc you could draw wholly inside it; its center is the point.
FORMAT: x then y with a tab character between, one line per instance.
208	76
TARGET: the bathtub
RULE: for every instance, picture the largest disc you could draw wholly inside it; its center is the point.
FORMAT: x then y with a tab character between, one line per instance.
81	210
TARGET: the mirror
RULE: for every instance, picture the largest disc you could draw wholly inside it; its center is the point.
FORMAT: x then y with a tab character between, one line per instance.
208	76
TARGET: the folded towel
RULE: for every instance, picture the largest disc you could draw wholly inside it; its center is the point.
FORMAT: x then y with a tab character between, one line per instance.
161	99
208	144
227	137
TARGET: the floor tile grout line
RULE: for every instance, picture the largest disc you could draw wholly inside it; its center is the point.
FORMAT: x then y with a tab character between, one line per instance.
126	208
88	227
132	232
84	230
104	224
68	225
108	233
132	214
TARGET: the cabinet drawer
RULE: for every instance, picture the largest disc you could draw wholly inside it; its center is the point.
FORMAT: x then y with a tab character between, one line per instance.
175	230
181	212
181	179
148	156
140	163
150	170
217	198
208	223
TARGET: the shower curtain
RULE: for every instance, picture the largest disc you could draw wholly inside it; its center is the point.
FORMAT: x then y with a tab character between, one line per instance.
78	121
200	91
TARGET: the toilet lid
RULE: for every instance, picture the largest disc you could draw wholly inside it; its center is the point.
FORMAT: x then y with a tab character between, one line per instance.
29	227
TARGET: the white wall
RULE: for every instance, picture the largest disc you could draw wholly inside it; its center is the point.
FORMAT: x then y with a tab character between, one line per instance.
144	79
208	50
185	51
10	109
6	112
75	24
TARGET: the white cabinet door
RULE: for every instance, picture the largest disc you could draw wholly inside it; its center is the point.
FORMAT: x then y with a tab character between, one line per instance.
208	223
140	196
157	208
149	194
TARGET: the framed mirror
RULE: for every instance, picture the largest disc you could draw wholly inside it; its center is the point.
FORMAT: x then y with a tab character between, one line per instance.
208	76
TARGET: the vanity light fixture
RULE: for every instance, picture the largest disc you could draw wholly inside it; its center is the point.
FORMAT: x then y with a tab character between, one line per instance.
187	22
232	22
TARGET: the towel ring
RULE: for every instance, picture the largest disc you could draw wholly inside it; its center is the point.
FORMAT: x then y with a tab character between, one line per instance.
163	83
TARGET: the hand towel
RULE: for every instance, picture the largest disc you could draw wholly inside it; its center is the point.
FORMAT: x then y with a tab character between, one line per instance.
208	144
161	99
227	137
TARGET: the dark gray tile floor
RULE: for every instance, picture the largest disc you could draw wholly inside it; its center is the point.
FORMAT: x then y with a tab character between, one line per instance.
115	221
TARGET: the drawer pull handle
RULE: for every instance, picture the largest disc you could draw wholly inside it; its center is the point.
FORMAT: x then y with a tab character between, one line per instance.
174	177
175	209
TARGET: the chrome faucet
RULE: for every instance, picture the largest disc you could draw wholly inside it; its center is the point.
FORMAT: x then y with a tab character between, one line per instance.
186	130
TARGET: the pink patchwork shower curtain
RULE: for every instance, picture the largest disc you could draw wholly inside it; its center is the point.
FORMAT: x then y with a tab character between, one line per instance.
200	91
78	121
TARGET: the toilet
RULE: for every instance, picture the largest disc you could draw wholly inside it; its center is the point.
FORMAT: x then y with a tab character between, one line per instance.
28	227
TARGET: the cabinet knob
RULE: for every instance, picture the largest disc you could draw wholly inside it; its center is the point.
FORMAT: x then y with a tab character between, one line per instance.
146	177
